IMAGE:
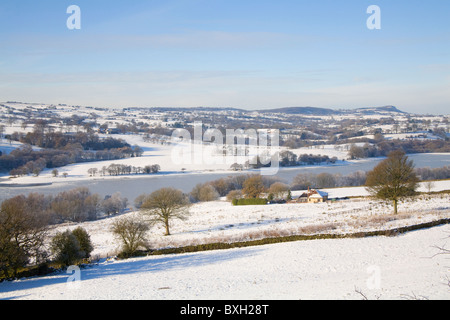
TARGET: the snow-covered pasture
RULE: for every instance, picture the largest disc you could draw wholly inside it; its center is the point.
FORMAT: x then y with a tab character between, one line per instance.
401	267
219	221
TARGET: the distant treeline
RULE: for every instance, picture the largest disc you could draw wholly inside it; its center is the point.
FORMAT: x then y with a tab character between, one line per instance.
303	181
327	180
286	159
434	174
24	160
289	159
384	147
39	137
60	150
123	169
75	205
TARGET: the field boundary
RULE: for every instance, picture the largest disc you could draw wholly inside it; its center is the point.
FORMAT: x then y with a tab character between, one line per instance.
293	238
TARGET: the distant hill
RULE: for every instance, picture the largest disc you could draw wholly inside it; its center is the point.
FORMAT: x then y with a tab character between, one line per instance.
326	112
302	110
380	110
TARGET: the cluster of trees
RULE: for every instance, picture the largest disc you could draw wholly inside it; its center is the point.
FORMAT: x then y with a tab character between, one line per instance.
286	159
203	192
256	187
60	149
31	167
239	187
327	180
25	220
355	179
71	247
122	169
384	147
289	159
76	205
223	186
44	137
24	160
23	238
392	179
433	174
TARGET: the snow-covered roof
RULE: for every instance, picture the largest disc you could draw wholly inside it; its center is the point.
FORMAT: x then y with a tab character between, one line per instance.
318	194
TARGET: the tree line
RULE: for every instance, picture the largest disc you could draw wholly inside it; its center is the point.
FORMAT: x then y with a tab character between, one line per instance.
60	149
384	147
44	137
289	159
235	186
76	205
356	179
25	160
122	169
25	221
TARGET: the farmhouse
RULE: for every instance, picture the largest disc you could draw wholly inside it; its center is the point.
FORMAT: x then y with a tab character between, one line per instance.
313	196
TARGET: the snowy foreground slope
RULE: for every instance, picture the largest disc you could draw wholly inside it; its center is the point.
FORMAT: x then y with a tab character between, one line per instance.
404	266
401	267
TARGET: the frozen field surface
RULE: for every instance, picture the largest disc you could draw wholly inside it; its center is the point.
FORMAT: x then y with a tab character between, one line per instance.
406	266
402	267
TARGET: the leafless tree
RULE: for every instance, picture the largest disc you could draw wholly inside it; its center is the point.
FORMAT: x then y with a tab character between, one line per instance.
164	205
393	179
429	185
132	234
22	233
204	192
253	186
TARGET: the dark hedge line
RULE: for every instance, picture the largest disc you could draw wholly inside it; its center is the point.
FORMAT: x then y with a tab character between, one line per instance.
45	269
265	241
249	202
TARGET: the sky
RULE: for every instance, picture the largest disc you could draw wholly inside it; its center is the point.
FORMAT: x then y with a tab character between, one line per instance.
249	54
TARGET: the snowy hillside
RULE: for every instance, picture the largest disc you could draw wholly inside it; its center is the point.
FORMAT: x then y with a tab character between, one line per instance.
219	221
379	268
317	269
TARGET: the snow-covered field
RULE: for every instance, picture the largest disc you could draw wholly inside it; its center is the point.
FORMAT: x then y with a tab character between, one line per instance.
219	221
171	158
402	267
379	267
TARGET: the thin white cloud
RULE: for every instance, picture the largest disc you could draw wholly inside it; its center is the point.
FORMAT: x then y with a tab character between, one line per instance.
220	40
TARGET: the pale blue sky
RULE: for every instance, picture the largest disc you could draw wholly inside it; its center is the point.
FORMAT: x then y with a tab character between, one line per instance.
226	53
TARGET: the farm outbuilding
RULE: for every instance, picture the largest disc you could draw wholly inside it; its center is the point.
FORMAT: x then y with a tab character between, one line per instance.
313	196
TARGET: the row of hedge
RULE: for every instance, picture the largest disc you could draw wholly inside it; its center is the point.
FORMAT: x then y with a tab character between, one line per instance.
46	269
265	241
249	202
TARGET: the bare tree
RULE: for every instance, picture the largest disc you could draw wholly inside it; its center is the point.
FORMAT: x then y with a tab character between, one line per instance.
253	186
114	204
279	190
203	193
393	179
131	232
164	205
429	185
22	233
